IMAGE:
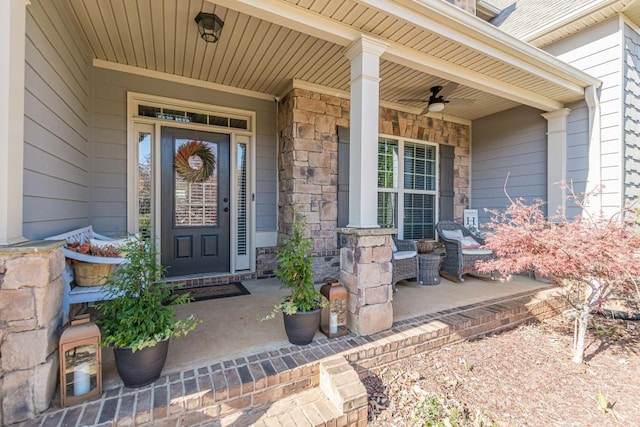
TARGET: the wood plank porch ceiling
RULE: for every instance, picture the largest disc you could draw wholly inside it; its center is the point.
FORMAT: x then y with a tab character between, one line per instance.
264	54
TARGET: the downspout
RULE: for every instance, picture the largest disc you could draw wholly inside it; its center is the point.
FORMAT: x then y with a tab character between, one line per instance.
594	173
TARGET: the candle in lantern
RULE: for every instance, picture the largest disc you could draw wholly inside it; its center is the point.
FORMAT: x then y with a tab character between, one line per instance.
333	326
81	379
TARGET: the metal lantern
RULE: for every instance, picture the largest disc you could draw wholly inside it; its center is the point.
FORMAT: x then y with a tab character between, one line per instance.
209	26
333	319
80	361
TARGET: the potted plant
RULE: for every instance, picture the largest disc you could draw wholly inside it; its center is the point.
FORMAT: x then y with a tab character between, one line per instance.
301	308
140	318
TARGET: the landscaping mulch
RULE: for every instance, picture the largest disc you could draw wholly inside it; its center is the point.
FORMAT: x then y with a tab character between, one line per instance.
521	377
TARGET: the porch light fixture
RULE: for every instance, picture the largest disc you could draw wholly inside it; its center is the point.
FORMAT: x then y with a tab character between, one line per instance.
209	26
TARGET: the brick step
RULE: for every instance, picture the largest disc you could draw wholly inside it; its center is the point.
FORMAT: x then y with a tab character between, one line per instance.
339	399
307	408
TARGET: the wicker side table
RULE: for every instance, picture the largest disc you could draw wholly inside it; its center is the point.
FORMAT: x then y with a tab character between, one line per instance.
429	268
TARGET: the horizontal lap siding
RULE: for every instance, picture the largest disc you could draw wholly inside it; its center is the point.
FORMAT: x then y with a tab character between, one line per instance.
56	128
631	115
109	139
577	152
597	51
512	143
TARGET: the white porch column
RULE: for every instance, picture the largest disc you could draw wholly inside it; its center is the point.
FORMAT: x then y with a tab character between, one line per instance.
364	55
556	160
12	56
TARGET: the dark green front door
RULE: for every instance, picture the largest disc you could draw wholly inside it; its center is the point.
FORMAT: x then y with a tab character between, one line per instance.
195	205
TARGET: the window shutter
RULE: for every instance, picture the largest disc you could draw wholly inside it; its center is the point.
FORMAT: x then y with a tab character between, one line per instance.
343	176
446	182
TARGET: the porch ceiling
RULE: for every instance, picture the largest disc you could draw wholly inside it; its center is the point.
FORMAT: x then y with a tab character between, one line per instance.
266	44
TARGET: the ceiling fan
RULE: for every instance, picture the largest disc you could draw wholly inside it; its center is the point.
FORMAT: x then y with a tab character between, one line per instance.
438	98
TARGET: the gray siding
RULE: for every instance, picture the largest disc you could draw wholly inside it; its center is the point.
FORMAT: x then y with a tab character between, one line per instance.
598	51
108	144
631	115
56	129
577	152
511	143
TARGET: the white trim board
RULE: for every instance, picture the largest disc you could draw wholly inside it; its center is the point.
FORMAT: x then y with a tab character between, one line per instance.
99	63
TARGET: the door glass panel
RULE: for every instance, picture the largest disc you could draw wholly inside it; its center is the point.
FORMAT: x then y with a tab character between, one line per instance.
242	199
144	184
196	183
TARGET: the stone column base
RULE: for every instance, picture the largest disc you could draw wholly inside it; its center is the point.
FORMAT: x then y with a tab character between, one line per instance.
365	270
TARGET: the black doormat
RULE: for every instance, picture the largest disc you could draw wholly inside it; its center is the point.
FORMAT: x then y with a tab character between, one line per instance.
202	293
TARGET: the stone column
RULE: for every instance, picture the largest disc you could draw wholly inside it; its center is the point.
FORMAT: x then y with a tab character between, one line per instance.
31	287
12	55
365	270
364	55
556	160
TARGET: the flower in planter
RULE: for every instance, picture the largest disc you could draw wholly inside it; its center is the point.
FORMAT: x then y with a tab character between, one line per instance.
88	249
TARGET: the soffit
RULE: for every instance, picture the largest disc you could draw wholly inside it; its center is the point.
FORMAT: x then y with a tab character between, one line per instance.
261	56
369	19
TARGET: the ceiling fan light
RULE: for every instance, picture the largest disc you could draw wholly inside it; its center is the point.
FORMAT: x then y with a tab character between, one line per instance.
436	107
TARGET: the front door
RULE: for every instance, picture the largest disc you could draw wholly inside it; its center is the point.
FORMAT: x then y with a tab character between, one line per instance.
195	201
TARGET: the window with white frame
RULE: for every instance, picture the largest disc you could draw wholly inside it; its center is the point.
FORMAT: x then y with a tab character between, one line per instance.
407	187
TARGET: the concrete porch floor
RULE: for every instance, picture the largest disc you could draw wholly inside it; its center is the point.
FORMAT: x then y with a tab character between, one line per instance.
237	371
230	327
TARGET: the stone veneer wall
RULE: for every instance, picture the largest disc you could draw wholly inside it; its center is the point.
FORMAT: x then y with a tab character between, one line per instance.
308	161
31	287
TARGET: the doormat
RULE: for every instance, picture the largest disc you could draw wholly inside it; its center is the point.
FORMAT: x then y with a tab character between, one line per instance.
202	293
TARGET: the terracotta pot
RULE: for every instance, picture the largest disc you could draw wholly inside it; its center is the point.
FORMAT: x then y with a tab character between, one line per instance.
302	326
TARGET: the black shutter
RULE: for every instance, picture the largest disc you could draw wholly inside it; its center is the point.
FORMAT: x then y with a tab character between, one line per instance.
343	176
446	182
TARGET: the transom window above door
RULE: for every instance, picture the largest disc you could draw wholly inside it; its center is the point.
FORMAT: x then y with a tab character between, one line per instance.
407	187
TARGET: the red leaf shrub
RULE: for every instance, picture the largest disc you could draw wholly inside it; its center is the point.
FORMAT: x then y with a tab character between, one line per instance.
596	254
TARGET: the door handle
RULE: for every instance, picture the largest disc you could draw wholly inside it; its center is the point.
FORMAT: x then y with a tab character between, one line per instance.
226	209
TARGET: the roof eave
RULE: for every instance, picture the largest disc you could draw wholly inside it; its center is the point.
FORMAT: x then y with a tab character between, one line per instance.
491	36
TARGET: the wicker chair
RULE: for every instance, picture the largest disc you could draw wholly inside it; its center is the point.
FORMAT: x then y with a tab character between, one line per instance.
404	261
459	261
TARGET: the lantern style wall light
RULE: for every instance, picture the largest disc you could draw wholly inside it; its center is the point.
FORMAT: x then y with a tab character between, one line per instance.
333	319
209	26
80	361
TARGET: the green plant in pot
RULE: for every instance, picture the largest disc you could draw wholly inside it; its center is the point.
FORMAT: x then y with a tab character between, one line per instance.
301	308
139	319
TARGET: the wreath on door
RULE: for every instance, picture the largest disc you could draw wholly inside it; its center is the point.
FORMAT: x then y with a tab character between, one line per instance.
183	161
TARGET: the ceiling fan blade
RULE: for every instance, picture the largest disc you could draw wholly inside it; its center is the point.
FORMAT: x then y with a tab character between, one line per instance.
424	111
461	101
448	89
413	100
